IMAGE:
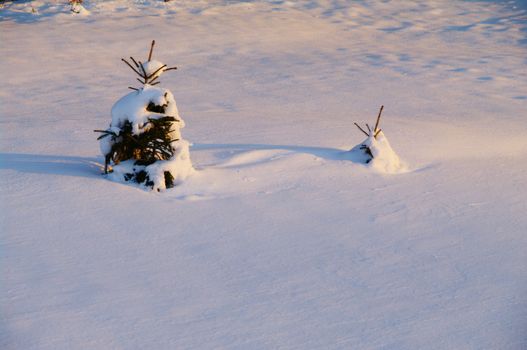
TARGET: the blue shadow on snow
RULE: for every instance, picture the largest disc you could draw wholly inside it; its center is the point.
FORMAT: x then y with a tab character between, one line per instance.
51	164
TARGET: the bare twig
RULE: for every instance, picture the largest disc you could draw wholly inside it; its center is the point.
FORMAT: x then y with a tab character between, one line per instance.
365	133
133	88
151	81
143	69
140	70
135	62
378	119
377	133
369	129
151	50
129	65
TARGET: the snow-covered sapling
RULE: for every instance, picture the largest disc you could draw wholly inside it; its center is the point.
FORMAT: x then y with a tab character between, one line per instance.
375	150
143	143
76	6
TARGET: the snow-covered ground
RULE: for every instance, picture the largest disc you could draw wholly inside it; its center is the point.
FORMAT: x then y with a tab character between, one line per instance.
280	240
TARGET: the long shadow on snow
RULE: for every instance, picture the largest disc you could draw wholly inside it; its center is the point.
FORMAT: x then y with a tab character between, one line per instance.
50	164
91	167
320	152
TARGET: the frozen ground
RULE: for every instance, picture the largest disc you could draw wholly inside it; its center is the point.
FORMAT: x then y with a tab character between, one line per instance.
279	241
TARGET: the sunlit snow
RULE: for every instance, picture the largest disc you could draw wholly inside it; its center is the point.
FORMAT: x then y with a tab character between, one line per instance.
282	238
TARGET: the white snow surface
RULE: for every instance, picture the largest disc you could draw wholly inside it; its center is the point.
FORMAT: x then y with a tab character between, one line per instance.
280	239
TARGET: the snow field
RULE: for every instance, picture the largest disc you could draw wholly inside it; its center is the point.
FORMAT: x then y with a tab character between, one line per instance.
280	239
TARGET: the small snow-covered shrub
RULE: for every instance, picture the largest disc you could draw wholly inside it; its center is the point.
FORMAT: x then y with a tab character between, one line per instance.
76	7
143	143
375	150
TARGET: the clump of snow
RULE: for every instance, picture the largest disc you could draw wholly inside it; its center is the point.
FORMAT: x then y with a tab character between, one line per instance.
378	154
133	108
151	67
78	9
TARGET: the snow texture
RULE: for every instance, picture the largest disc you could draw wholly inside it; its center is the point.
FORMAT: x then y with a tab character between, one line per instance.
282	239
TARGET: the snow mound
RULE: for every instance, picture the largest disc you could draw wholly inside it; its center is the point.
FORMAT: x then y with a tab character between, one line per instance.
79	10
378	154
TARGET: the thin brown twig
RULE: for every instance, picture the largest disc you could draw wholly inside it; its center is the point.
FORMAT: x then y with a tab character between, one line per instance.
151	81
378	119
129	65
151	50
135	62
133	88
143	69
157	82
170	69
369	129
377	133
139	80
361	129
